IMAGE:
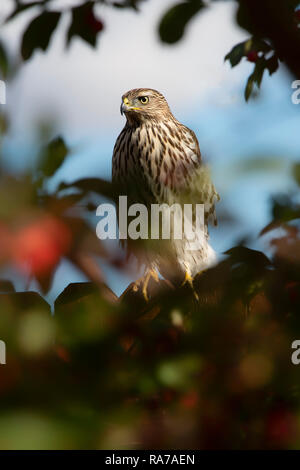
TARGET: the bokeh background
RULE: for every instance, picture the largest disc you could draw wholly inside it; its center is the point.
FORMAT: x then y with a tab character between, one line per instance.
249	146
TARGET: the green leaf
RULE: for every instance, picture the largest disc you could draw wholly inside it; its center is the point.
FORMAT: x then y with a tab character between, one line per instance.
272	64
6	286
243	48
53	156
25	301
4	124
74	292
236	54
257	44
96	185
249	87
260	163
296	173
173	24
3	61
39	32
252	258
85	24
127	4
256	77
285	209
262	49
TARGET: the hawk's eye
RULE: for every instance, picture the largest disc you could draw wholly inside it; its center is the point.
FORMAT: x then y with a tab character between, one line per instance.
143	99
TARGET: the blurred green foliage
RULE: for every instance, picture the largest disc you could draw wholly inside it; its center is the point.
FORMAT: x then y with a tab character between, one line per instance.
174	372
85	24
268	25
258	51
53	156
3	61
172	25
275	32
38	33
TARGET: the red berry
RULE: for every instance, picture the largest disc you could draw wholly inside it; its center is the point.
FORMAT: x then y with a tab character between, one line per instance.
252	56
38	247
297	15
93	22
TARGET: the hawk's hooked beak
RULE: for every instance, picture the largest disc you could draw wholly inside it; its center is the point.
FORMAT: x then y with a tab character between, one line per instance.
124	105
127	106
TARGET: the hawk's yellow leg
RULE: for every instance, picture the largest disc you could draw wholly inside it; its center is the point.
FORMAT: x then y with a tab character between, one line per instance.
190	281
144	281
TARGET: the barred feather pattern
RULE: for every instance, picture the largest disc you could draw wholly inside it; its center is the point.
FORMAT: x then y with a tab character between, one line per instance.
157	160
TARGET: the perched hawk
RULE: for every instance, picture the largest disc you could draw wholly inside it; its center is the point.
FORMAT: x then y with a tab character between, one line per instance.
157	160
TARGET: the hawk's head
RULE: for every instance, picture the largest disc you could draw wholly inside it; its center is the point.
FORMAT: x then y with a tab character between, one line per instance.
142	104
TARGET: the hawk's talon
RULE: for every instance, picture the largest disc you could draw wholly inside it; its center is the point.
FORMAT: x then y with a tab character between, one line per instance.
144	281
188	279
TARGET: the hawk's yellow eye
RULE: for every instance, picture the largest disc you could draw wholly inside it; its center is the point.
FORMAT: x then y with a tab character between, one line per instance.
144	99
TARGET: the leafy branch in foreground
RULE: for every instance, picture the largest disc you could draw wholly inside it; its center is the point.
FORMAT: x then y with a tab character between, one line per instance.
85	23
259	52
165	374
274	29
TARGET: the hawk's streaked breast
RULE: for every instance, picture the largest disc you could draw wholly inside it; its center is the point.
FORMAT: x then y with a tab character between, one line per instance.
158	159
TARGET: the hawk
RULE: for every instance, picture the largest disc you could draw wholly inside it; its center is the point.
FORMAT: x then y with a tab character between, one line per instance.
157	160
